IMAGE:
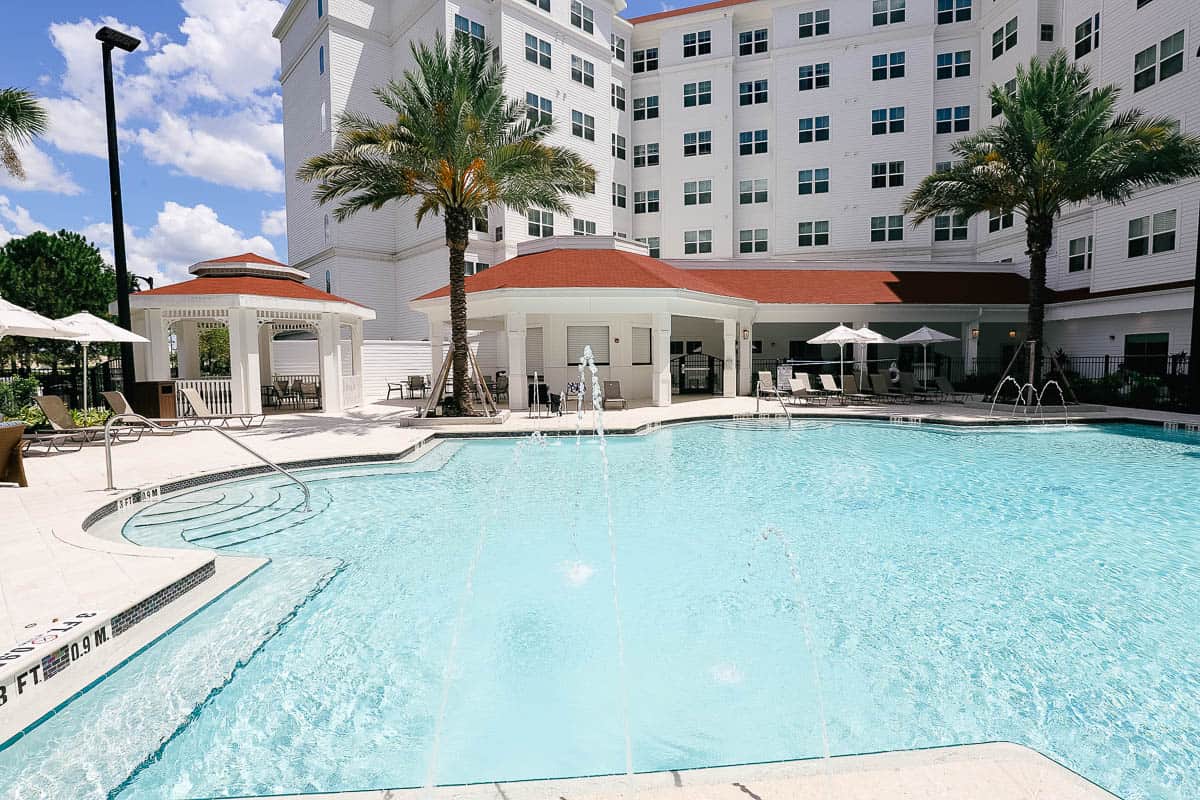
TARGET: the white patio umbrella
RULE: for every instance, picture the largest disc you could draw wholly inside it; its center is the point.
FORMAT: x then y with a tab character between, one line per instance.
841	336
87	329
925	336
17	321
868	336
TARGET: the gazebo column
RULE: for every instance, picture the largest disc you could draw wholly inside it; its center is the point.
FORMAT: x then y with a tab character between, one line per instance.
330	354
155	365
970	345
660	359
266	333
518	387
729	337
245	391
745	358
437	334
356	347
187	348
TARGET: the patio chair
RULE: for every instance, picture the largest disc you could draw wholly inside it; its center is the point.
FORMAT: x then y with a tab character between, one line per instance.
851	394
909	387
802	391
310	391
881	387
396	386
284	390
766	385
573	393
829	386
500	391
12	468
119	405
416	383
60	419
948	391
203	416
612	395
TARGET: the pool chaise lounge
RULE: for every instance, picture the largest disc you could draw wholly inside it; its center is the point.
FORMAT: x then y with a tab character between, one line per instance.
61	420
201	413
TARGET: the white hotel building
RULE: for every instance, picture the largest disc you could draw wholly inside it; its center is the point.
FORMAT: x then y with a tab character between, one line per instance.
761	135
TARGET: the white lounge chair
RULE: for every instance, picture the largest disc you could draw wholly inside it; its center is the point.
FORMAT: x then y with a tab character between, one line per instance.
202	415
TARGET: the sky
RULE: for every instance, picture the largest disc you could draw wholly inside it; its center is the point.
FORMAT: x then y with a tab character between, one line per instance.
199	114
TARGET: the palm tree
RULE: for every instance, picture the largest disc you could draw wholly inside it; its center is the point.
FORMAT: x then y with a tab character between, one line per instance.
21	119
457	145
1060	141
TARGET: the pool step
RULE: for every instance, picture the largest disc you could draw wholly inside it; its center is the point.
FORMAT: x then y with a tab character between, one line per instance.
192	506
321	500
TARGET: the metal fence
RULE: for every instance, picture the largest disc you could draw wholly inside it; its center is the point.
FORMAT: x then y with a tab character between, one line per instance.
67	382
697	373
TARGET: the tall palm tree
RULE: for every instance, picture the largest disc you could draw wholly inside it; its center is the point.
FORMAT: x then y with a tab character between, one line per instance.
1060	141
21	118
457	145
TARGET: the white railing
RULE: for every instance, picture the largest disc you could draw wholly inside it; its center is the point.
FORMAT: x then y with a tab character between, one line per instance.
351	391
217	393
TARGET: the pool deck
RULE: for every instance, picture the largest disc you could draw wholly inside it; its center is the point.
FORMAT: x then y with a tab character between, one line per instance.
51	569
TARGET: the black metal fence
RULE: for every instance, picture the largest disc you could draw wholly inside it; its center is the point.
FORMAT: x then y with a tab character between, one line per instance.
67	382
697	373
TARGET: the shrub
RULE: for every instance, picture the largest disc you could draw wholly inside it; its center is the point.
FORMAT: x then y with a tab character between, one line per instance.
16	394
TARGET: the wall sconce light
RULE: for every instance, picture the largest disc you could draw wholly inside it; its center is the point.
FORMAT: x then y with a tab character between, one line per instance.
745	333
1012	334
974	333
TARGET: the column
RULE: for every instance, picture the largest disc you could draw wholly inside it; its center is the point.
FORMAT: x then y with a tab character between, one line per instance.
159	356
970	345
266	334
660	359
436	356
860	357
141	352
246	396
329	355
356	348
729	354
518	388
745	358
187	348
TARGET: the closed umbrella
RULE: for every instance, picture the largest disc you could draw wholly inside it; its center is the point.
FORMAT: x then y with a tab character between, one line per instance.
841	336
17	321
925	336
868	336
87	329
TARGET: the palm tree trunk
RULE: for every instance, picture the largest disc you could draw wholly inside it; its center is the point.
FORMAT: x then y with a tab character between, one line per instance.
457	227
1039	232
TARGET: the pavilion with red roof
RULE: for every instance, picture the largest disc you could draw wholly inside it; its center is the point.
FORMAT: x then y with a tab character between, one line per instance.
257	300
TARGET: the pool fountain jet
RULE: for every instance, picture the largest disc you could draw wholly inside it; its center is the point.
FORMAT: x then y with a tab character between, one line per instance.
1034	405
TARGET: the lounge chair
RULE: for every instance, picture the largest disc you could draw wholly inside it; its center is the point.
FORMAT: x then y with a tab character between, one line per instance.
500	390
802	391
56	442
829	385
909	387
948	391
12	469
612	394
60	419
119	405
851	394
202	415
882	388
766	385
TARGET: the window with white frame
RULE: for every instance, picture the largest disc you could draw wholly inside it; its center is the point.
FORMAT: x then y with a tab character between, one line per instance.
619	195
887	12
887	65
539	110
583	17
618	146
480	224
949	11
645	155
956	119
886	174
645	202
645	107
752	92
474	267
698	241
469	30
887	229
752	191
583	125
697	193
814	129
943	166
321	60
752	42
813	76
617	45
1087	35
583	71
541	223
813	234
1158	62
639	343
697	43
537	51
950	228
1152	234
887	120
999	220
697	143
813	23
1047	32
953	65
697	94
645	60
1079	254
752	240
581	337
583	227
1004	38
544	5
652	245
1010	88
618	97
752	143
813	181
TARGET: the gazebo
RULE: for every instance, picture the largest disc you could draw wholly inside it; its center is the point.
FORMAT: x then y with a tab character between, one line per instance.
256	299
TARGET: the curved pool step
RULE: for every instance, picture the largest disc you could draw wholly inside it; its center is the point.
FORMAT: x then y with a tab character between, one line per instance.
193	506
261	499
321	500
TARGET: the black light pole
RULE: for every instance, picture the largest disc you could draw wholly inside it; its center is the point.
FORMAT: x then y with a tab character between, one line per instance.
1194	355
109	39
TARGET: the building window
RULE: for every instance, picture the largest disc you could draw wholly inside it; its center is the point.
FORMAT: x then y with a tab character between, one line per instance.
885	174
814	23
1079	254
813	234
949	11
321	59
999	220
474	267
469	30
752	191
752	92
640	344
752	42
697	241
1169	54
651	243
1141	3
583	125
953	120
954	65
1087	36
582	17
537	51
645	155
813	181
480	223
752	240
697	143
320	8
697	94
887	120
645	60
541	223
814	76
947	228
887	12
1004	38
539	110
645	202
752	143
1047	32
887	229
645	107
618	97
814	129
544	5
698	43
697	193
887	65
1152	234
1010	88
1147	352
943	166
583	71
583	227
619	195
618	146
581	337
617	45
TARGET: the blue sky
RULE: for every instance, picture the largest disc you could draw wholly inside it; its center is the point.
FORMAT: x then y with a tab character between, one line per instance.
199	114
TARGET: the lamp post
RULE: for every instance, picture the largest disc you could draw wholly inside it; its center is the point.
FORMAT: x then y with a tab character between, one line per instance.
109	39
1194	358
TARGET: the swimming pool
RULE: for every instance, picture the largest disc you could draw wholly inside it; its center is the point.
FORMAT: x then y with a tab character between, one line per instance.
836	588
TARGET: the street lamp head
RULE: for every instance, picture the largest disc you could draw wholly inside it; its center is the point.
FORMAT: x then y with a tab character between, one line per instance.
114	38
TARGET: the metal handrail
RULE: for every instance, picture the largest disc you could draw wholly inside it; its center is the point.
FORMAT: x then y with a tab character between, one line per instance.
155	426
779	397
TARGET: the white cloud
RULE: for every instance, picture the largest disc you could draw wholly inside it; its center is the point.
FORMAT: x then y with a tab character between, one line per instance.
42	173
274	223
181	236
229	161
17	221
76	126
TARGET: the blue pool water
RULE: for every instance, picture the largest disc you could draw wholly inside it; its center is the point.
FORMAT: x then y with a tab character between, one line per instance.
835	588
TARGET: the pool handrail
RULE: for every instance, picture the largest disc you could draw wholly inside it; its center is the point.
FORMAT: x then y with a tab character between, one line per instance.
153	425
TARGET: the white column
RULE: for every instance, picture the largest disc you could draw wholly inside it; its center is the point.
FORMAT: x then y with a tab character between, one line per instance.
158	366
141	352
330	359
356	348
970	345
243	361
745	358
729	353
660	359
187	348
518	387
436	356
266	334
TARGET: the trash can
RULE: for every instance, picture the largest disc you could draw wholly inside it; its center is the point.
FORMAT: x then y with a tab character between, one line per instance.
154	399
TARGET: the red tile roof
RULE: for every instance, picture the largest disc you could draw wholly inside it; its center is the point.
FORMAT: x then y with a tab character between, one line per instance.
1069	295
615	269
263	287
676	12
244	258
